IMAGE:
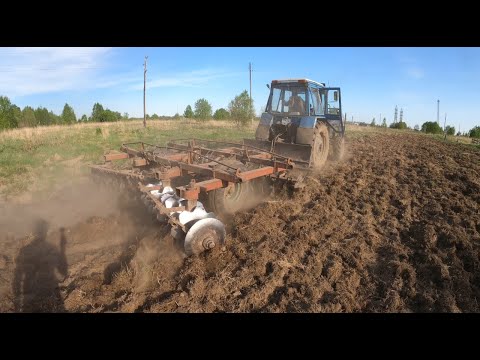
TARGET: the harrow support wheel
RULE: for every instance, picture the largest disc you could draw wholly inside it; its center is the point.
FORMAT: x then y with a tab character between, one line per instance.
228	200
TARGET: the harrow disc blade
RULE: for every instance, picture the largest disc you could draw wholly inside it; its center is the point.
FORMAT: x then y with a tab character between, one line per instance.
204	235
197	214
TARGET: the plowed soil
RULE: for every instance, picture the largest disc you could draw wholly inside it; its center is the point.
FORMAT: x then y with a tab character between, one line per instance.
395	227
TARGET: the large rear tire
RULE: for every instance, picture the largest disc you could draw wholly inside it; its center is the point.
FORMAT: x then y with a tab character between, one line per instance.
320	146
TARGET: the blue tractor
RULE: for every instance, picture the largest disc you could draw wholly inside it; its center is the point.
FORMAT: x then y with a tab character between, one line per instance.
303	121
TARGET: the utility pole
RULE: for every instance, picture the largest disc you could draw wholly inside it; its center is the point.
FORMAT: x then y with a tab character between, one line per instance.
144	87
445	126
438	112
250	72
396	114
401	115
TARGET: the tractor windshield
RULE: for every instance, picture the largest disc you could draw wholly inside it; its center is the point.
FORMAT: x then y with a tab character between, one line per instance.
288	99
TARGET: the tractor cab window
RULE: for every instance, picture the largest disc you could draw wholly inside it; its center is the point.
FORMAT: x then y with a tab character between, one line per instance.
333	102
288	100
287	95
316	102
276	103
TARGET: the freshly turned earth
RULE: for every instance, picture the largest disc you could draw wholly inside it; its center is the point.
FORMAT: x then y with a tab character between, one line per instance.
395	227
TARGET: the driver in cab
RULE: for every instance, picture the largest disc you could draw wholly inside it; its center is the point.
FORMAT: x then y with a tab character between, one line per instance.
296	104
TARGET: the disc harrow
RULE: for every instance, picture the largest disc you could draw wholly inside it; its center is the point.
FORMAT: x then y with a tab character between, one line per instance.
193	184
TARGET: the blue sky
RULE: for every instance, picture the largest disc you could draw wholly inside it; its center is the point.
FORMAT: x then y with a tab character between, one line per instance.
373	80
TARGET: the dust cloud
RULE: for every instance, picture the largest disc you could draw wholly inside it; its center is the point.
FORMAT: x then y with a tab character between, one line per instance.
69	203
88	235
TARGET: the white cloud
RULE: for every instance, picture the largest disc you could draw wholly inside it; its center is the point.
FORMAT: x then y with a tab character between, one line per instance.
27	71
187	79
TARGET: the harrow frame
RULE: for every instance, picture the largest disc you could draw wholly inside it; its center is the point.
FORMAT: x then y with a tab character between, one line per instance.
201	166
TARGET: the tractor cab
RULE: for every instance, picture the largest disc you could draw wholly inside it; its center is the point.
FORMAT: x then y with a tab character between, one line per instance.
288	99
297	111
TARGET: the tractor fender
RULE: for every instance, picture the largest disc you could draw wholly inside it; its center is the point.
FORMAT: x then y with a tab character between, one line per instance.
266	119
263	128
305	130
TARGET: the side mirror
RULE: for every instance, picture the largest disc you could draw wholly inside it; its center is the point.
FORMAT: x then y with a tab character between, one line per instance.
335	95
268	85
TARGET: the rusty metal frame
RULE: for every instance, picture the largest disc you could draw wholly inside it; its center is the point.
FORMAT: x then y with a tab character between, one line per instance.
115	156
166	163
259	157
125	173
240	150
185	160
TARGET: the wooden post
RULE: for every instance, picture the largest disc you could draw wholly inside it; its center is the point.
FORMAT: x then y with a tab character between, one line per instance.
445	127
144	87
250	71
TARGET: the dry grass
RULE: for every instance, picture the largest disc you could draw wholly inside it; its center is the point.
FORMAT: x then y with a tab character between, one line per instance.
30	156
120	126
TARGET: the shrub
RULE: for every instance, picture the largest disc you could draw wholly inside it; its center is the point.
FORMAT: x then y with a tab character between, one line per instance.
431	127
475	132
450	130
221	114
203	110
241	108
399	125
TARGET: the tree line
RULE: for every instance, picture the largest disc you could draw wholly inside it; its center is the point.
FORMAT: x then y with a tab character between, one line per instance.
429	127
11	116
432	127
240	110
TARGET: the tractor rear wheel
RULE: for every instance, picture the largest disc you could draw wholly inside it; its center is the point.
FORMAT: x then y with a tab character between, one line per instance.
320	146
